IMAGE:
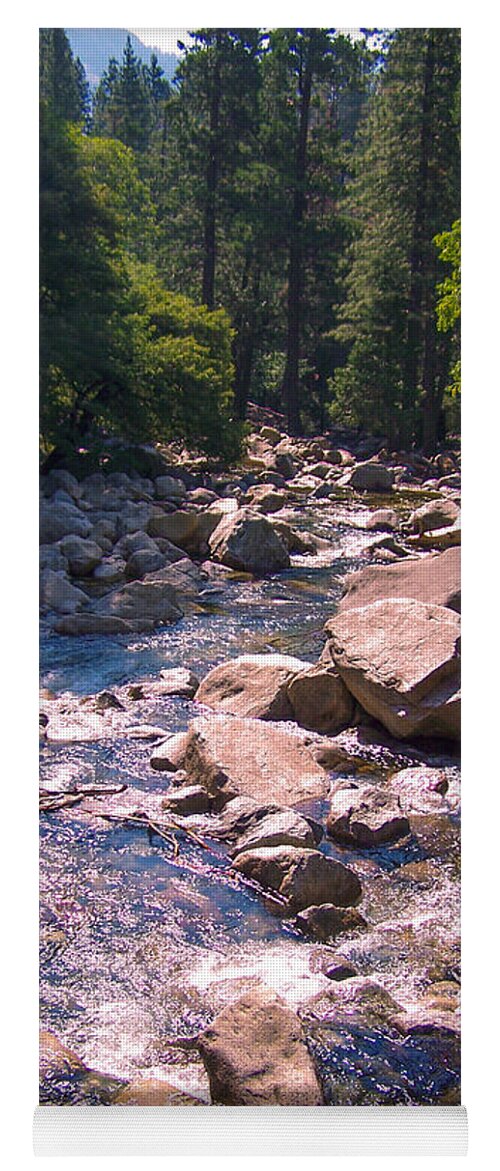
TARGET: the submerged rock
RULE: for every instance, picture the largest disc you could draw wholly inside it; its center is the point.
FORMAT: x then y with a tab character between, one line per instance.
326	922
400	660
151	1091
255	1054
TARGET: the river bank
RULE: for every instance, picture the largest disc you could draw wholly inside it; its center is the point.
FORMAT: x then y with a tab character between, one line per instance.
314	853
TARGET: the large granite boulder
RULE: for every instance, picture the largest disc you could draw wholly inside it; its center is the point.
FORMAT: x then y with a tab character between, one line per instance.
371	477
234	757
60	519
400	659
251	685
301	877
255	1054
247	541
187	530
434	579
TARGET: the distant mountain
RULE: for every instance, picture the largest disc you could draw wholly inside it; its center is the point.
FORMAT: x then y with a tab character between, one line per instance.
95	46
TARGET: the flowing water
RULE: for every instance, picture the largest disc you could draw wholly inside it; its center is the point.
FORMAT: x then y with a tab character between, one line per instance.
139	950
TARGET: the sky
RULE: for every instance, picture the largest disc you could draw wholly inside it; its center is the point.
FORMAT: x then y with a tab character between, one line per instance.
162	38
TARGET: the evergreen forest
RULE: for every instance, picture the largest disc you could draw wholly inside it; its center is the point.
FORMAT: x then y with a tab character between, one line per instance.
279	225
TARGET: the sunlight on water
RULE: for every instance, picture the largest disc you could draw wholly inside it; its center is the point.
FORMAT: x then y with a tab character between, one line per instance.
140	950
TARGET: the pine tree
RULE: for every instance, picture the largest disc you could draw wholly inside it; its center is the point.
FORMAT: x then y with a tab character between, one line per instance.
124	106
406	190
213	121
62	78
309	70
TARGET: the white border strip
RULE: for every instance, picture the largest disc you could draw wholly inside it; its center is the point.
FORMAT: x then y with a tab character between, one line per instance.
274	1130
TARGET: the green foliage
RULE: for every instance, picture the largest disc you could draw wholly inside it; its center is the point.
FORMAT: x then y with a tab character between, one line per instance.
118	354
405	191
62	78
448	305
183	356
129	100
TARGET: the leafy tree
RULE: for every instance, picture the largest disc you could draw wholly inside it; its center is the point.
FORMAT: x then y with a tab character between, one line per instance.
83	285
118	354
448	306
405	191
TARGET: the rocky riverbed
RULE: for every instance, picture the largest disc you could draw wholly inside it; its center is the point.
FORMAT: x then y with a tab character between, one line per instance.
250	789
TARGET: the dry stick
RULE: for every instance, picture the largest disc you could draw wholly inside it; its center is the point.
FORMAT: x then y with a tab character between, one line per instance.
241	879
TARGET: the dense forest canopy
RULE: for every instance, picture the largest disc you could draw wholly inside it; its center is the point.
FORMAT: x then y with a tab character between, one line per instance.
278	224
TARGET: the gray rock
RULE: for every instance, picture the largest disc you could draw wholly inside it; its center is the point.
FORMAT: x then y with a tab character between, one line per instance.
400	660
283	828
302	877
251	685
382	519
59	478
437	514
110	571
143	561
320	700
58	594
364	815
51	557
188	800
179	681
434	579
59	520
371	477
234	757
90	623
82	555
248	542
255	1055
167	488
187	530
169	756
143	605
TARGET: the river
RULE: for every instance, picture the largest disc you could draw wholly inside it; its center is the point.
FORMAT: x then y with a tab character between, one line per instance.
139	950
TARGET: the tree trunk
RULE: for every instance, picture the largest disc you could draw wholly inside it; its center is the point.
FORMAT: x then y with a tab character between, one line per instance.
290	385
212	178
